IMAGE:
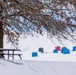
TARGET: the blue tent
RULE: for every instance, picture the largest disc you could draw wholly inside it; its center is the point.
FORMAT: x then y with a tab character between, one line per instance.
55	51
41	50
64	50
74	48
34	54
67	51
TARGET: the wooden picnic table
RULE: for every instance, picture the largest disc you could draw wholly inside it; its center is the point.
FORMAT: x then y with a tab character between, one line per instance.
12	52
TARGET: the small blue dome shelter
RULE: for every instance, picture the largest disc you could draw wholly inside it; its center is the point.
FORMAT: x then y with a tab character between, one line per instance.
64	50
67	51
55	51
74	48
34	54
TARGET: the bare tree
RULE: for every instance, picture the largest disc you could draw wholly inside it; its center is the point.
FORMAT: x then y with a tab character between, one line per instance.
57	17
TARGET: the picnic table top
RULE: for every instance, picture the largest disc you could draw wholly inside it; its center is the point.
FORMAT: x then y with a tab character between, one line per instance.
9	49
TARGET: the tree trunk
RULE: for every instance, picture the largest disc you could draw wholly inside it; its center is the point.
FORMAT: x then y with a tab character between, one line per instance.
1	38
1	35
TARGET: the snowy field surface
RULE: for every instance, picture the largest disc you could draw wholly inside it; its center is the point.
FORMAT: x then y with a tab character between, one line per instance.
29	67
47	63
32	44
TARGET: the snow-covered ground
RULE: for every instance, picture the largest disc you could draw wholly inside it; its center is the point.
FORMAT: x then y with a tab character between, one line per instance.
31	44
46	63
28	67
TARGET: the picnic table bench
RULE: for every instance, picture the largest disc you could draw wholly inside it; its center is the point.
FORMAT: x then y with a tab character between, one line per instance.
10	52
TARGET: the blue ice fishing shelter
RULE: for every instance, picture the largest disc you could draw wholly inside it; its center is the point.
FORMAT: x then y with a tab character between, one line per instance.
74	48
55	51
64	50
41	50
34	54
67	51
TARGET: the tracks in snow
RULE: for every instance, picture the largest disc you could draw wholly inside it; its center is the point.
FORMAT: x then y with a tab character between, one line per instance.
14	62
